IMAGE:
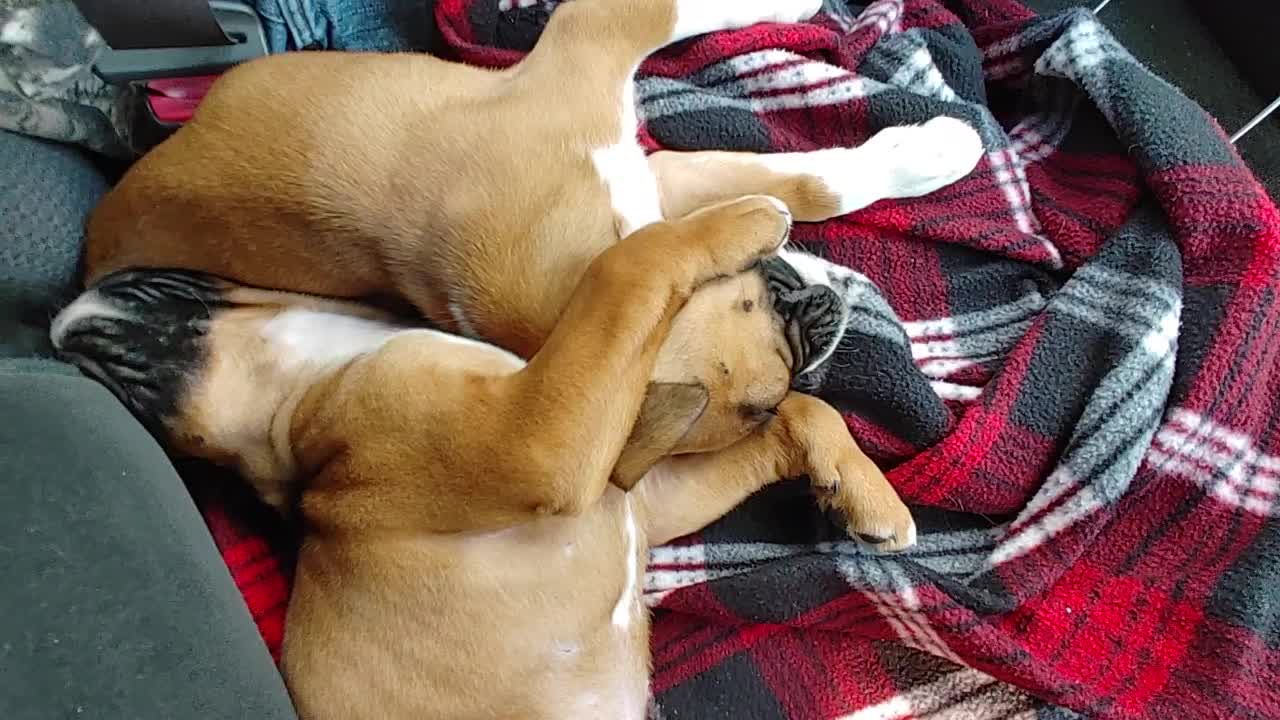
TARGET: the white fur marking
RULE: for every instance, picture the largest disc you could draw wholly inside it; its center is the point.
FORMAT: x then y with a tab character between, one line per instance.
698	17
309	337
460	318
897	162
89	305
625	608
633	191
304	336
624	170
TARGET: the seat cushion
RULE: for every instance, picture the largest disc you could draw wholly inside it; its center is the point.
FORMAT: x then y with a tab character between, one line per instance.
49	190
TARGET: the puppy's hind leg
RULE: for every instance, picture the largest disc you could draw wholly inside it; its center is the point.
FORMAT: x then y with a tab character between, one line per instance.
624	32
897	162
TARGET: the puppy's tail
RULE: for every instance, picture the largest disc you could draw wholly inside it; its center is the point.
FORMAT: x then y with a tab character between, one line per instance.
142	335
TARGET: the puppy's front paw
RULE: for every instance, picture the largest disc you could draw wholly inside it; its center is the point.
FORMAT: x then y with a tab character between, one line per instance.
740	232
765	222
923	158
873	513
843	477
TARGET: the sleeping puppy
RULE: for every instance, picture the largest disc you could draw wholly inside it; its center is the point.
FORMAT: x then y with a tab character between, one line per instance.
445	484
464	553
480	197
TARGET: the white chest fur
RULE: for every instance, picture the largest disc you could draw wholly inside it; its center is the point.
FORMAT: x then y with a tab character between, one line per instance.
628	605
624	170
324	339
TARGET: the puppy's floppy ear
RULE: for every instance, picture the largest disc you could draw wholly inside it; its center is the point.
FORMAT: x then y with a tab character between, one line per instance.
668	412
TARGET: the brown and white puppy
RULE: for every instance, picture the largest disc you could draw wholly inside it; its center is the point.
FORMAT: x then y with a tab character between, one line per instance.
464	554
480	198
446	486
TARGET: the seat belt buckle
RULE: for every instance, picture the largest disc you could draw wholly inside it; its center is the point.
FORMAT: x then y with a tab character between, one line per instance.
240	23
162	106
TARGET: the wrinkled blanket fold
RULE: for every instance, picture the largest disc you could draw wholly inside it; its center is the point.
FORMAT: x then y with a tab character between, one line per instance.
1066	361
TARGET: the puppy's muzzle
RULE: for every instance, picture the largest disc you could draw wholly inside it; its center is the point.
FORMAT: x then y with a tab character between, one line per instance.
141	334
813	316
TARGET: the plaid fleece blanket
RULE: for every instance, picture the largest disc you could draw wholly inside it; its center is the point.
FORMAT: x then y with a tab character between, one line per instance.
1067	362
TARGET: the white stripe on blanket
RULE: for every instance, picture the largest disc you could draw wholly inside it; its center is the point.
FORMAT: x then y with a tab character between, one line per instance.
1222	461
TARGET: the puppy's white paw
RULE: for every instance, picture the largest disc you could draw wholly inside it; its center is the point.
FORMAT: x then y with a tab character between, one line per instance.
897	162
919	159
697	17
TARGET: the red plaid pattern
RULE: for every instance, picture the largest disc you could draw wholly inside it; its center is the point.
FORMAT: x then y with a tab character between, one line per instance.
1068	362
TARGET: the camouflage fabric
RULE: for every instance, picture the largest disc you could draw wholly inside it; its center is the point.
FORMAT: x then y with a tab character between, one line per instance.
47	86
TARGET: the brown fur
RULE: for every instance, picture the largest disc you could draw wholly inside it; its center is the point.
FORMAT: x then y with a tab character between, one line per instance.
392	175
416	200
420	536
440	484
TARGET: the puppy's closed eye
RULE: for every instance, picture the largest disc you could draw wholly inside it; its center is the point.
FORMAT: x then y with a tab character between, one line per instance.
758	414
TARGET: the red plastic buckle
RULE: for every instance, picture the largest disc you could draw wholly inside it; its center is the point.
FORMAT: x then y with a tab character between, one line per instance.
174	100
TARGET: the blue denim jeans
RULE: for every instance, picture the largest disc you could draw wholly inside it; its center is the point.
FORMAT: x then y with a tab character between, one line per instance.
382	25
